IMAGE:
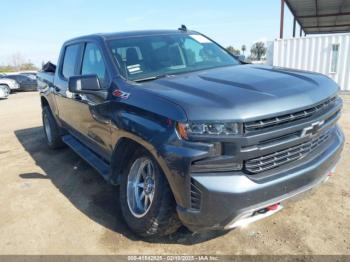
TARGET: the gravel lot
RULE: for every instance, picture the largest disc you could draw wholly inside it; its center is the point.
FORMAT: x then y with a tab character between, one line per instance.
52	202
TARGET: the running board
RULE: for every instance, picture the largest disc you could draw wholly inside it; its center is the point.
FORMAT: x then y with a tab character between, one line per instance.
90	157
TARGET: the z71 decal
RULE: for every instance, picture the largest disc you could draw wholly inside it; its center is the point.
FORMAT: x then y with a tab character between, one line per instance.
121	94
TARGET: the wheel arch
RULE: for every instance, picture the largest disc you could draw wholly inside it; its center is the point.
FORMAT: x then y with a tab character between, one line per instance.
44	102
5	84
124	149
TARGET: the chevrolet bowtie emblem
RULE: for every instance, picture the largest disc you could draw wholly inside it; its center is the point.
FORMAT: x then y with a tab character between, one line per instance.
313	129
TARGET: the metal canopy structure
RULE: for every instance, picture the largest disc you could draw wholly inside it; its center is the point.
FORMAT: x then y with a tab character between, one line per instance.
318	16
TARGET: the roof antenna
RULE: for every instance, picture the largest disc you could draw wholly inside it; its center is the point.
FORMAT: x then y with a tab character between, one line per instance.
183	28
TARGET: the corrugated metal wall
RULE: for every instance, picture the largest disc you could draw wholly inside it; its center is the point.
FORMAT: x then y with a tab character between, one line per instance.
314	53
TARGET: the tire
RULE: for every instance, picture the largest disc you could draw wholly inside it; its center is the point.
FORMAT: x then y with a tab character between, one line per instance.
6	90
51	129
160	218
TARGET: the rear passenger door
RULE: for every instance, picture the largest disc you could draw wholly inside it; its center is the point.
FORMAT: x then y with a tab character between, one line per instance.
29	83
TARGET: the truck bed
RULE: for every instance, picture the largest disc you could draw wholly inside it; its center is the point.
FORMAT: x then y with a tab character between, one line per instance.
45	80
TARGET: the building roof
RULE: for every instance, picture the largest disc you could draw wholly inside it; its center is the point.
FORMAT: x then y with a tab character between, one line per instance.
321	16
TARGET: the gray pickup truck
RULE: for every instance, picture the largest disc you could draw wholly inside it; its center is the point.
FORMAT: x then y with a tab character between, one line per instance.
190	134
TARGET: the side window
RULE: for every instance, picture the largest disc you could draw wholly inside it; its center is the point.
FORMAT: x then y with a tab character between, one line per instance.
93	63
193	51
70	60
22	78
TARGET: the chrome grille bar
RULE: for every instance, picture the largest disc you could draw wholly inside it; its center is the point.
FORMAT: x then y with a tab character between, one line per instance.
269	122
263	163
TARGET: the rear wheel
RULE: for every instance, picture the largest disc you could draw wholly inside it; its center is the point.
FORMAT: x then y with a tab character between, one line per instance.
146	201
51	129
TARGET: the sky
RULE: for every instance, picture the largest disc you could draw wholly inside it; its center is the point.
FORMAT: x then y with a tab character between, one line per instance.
36	29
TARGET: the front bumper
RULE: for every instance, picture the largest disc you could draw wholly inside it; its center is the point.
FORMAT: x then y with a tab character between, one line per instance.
228	197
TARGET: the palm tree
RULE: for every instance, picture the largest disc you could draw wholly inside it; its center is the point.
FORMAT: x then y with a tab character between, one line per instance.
243	48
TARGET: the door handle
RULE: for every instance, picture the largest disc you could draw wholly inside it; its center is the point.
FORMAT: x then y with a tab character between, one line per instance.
57	89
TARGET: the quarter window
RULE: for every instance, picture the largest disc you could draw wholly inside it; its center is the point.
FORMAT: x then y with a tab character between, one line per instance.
70	60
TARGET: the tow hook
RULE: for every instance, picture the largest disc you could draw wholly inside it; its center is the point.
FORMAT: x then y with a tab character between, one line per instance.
253	216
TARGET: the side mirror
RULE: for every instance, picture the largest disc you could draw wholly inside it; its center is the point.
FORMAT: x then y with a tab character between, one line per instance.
87	84
83	84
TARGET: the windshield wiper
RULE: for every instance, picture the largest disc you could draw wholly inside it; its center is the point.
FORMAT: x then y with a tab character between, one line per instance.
151	78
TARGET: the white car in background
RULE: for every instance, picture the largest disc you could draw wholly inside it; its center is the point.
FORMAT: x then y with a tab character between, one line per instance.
4	91
10	83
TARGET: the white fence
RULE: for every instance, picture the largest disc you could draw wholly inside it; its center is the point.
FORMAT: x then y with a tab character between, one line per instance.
329	55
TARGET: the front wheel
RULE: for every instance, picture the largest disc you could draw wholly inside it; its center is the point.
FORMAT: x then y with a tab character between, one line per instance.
146	201
4	91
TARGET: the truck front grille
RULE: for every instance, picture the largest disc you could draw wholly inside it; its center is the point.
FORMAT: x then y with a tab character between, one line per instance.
285	156
274	121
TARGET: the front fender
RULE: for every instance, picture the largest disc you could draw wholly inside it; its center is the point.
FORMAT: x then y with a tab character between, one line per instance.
151	131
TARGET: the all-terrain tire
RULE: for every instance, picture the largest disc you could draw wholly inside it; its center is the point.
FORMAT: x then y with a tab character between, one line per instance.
161	218
51	129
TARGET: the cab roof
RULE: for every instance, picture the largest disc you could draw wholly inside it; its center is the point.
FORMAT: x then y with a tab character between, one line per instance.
116	35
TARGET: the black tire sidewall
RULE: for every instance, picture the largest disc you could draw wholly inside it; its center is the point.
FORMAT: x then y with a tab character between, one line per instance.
55	132
143	225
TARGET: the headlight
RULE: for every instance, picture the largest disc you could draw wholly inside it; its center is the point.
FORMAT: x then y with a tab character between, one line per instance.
211	129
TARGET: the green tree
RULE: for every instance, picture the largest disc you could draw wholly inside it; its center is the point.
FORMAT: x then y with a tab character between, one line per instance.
258	50
233	50
28	66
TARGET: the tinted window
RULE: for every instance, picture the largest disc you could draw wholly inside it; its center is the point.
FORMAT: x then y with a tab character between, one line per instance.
15	77
70	60
93	63
23	78
11	77
32	77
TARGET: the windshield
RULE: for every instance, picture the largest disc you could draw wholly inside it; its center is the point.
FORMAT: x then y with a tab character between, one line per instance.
145	57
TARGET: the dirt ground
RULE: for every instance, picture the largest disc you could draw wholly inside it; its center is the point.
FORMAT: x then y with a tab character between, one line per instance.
52	202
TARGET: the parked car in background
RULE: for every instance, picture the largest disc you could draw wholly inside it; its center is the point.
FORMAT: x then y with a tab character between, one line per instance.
25	83
30	75
10	83
4	91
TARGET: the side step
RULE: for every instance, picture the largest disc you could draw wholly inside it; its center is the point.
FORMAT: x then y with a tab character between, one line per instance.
96	162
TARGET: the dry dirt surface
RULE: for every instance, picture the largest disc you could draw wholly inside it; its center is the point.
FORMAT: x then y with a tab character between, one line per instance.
52	202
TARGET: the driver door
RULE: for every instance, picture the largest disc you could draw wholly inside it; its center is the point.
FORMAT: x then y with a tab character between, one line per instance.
91	112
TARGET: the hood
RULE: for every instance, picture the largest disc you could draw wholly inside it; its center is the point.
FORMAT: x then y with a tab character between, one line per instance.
244	92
